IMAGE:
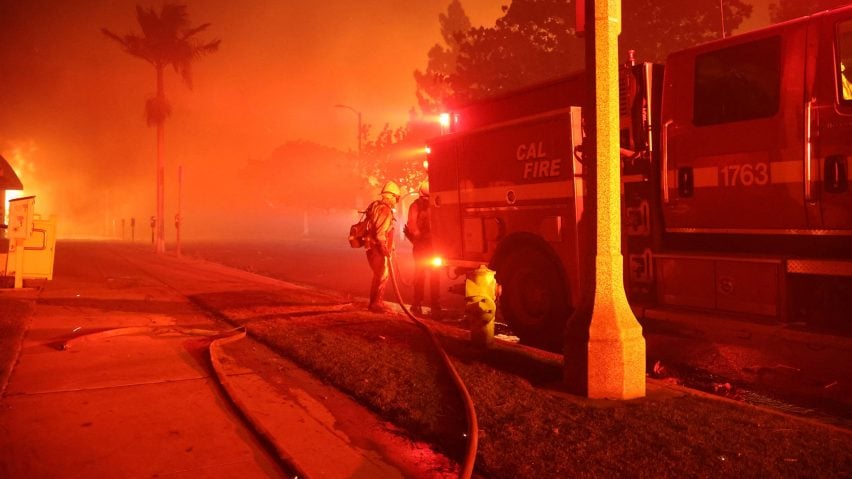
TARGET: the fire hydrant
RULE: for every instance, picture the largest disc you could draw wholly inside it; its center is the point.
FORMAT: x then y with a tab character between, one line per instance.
480	291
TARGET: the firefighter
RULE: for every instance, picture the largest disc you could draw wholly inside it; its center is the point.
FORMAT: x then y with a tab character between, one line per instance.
418	231
379	243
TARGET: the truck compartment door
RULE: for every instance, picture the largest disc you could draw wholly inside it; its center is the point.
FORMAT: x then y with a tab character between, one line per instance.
833	131
734	141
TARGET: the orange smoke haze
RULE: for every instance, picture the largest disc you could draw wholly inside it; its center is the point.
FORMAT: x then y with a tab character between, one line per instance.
73	126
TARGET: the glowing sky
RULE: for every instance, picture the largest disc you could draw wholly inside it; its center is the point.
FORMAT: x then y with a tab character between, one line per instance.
71	102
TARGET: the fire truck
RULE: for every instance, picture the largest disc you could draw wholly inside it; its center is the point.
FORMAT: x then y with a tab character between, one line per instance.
735	183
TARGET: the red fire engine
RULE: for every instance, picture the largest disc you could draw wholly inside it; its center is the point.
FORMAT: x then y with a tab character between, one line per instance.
735	174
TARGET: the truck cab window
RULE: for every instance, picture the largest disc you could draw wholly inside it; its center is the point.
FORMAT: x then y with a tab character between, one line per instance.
738	83
844	64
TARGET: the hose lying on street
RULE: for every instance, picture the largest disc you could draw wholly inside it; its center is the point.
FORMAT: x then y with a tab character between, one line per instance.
288	462
220	338
133	330
472	426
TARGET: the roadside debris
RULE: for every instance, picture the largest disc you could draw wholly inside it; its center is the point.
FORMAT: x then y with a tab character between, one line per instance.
658	369
722	388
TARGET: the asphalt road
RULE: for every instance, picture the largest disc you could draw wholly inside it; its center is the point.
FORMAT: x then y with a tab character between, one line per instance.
325	264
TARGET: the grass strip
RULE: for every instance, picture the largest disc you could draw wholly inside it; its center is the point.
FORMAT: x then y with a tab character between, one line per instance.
528	427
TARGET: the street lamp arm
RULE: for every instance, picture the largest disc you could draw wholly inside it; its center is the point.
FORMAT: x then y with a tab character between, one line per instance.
360	129
348	108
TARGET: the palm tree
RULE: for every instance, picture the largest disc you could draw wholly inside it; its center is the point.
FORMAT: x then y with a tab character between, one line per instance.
167	39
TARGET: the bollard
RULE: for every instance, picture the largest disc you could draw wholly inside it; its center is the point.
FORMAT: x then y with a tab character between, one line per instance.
480	290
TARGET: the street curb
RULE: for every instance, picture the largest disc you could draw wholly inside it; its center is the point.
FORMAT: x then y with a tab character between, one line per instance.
6	372
289	463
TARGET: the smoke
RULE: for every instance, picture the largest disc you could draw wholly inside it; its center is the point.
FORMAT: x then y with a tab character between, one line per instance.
73	112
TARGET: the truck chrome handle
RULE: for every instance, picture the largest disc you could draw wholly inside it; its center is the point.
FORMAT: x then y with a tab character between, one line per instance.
664	159
809	152
648	73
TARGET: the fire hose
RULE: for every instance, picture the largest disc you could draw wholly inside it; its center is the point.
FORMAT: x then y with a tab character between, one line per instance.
220	338
470	413
224	337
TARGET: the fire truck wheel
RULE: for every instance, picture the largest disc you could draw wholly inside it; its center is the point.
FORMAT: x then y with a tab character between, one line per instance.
534	299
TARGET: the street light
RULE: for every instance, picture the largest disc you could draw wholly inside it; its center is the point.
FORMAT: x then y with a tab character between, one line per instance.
359	123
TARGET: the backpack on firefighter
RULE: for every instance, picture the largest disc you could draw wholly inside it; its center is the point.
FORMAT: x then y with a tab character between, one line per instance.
359	231
363	229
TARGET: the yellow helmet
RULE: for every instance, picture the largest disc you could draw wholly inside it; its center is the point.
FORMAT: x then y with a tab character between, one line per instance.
391	188
424	188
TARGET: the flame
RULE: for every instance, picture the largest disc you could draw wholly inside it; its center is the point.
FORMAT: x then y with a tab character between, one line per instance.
19	159
13	195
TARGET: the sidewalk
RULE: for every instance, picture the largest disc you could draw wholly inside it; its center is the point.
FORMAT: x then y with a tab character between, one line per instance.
134	393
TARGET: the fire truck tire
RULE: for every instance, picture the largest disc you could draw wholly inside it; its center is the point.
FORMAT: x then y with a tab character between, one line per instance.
534	299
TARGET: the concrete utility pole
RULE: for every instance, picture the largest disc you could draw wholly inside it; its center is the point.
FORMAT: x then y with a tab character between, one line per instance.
611	363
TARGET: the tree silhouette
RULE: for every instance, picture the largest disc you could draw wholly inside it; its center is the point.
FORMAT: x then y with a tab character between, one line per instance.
167	39
789	9
534	40
655	28
433	85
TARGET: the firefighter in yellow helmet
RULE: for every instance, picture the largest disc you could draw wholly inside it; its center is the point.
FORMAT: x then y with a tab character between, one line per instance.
418	231
380	243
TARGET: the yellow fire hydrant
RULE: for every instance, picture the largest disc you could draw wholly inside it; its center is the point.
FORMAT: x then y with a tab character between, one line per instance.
480	291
